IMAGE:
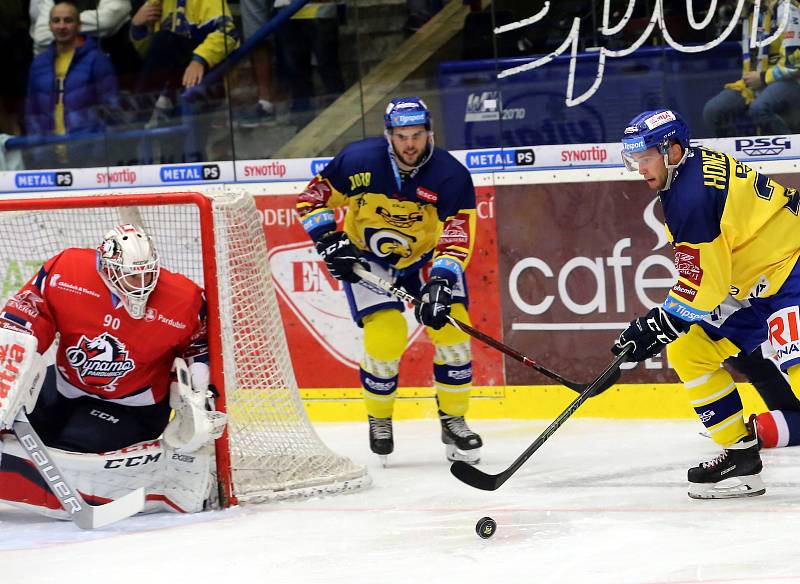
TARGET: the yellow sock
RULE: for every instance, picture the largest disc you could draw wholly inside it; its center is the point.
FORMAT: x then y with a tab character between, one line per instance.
697	359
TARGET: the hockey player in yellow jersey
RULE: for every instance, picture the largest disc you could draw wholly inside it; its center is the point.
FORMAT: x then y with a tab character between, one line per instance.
410	208
736	236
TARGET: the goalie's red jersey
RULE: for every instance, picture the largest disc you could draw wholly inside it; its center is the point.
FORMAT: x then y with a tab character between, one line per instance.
102	350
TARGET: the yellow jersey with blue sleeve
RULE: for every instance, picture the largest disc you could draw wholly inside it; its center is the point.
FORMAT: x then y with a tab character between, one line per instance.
398	220
735	231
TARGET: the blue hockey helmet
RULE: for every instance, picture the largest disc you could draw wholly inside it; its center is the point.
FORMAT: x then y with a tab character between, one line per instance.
407	111
655	129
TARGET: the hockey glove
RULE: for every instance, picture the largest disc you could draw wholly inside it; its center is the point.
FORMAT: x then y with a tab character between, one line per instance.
436	299
340	256
649	334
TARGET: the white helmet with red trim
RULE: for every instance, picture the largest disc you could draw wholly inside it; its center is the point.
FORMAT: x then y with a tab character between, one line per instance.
128	263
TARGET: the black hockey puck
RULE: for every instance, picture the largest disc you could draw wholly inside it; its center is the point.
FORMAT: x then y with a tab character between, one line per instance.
485	527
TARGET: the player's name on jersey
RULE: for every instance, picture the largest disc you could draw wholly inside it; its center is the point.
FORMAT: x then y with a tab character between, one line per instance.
507	159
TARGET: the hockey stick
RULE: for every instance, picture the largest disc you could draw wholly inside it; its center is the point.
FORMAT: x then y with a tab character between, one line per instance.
400	293
82	514
475	477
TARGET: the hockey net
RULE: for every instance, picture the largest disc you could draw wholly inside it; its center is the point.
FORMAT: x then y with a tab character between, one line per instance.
270	449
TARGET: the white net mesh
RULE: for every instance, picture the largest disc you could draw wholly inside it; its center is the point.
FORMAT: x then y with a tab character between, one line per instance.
274	450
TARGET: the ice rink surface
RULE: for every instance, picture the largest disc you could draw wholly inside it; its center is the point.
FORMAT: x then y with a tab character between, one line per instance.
601	502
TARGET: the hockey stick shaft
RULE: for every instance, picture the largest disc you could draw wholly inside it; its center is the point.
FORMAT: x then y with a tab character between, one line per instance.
475	477
400	293
82	514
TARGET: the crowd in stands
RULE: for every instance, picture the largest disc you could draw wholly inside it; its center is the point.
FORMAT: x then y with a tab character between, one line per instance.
78	67
89	64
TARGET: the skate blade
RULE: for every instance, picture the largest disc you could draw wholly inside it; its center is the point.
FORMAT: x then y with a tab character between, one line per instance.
468	456
732	488
384	458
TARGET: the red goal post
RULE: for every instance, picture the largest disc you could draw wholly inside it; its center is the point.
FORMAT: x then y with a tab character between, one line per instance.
270	450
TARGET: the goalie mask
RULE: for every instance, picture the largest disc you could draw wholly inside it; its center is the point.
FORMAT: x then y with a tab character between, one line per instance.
128	263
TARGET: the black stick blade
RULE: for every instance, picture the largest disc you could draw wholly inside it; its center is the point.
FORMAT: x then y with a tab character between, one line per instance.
475	477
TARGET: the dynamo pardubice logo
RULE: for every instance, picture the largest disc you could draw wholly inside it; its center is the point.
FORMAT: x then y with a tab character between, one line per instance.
100	361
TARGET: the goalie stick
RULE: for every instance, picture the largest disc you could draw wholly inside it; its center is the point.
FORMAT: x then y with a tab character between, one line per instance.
82	514
400	293
475	477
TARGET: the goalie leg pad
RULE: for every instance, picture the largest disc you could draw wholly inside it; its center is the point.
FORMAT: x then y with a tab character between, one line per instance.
176	482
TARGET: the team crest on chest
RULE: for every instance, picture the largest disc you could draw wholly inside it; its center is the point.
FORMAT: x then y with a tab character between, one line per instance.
100	361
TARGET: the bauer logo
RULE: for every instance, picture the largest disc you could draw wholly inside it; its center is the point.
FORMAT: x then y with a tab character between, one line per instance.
42	180
190	173
39	456
774	146
319	165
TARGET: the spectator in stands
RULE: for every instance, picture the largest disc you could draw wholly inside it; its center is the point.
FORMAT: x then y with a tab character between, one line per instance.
15	46
255	13
179	40
71	91
768	91
311	33
108	21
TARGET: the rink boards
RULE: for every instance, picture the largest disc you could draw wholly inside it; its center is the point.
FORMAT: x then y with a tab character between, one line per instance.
564	260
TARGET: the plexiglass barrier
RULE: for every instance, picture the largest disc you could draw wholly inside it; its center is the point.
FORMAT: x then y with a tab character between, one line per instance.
221	89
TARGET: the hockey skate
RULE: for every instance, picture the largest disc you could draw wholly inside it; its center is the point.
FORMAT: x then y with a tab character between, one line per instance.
381	437
733	473
461	443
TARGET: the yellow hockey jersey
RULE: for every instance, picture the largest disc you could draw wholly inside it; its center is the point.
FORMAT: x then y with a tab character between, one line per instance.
398	223
735	231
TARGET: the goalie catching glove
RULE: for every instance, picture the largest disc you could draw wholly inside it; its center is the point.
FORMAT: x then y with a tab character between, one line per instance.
193	424
21	374
340	256
649	334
